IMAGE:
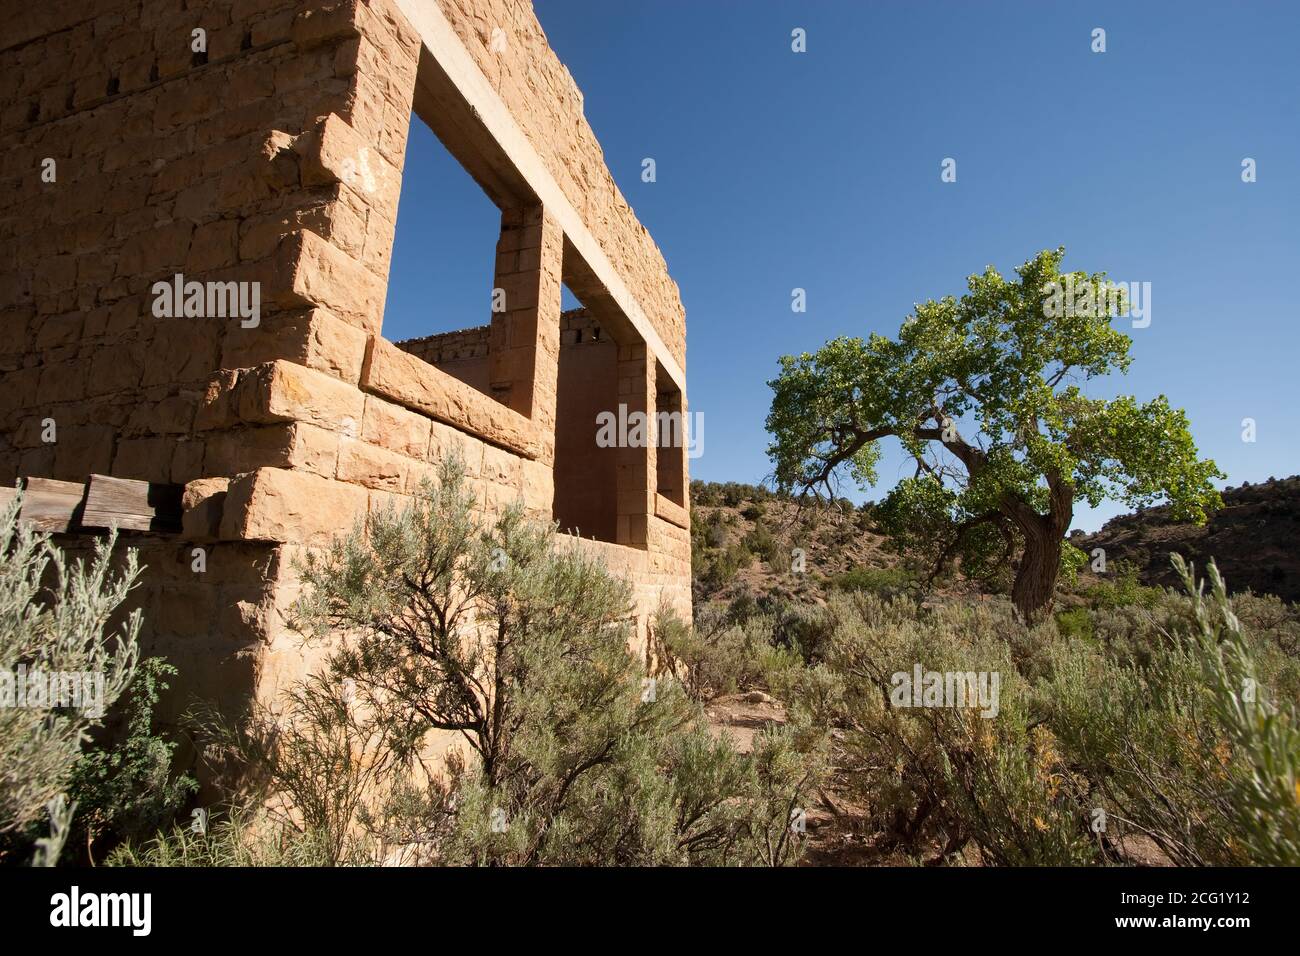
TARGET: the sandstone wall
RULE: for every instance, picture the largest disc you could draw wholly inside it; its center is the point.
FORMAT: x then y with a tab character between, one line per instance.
545	101
276	157
458	346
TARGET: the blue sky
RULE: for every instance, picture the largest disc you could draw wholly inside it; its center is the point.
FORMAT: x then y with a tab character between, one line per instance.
820	170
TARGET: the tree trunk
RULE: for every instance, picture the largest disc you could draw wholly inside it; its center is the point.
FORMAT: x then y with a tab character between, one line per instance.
1035	584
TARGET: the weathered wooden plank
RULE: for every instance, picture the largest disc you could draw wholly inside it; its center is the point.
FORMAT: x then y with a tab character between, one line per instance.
7	495
132	505
52	506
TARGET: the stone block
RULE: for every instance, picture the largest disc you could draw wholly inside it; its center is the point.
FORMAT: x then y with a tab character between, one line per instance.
395	428
407	380
286	392
271	504
315	339
361	463
201	506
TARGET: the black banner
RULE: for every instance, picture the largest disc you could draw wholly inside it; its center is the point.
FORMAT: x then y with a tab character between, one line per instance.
338	906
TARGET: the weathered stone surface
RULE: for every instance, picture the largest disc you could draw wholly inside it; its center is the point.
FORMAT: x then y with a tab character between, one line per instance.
395	428
404	379
271	504
333	152
283	391
295	445
325	23
217	406
374	467
320	274
315	339
201	506
672	512
279	161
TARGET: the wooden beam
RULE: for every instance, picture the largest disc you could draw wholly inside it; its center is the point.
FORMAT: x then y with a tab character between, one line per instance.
52	506
132	505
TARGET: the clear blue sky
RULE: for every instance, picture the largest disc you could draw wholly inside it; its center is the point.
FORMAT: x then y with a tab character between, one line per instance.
821	170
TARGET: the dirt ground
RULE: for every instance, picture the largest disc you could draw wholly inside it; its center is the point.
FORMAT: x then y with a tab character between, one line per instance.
836	829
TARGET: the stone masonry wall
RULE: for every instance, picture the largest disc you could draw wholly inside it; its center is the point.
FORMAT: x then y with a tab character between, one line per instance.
273	157
544	99
458	346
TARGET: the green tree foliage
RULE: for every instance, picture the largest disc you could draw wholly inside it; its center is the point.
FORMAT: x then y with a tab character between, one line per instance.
986	394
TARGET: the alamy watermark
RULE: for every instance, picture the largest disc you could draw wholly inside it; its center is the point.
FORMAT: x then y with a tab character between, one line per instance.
47	690
626	429
1104	299
922	688
208	300
76	908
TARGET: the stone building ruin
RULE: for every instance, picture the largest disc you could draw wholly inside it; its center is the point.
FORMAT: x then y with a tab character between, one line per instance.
274	155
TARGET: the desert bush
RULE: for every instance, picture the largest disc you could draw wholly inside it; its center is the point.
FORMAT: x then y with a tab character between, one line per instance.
943	776
1270	617
789	762
516	644
55	618
1074	623
241	837
717	660
318	766
705	493
1192	748
1173	721
733	494
716	567
763	543
124	785
1121	588
885	581
801	628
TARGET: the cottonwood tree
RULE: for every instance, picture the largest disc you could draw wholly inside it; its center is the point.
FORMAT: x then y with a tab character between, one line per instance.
986	395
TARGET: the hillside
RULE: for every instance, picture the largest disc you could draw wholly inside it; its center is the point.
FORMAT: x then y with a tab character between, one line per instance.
744	539
746	543
1254	539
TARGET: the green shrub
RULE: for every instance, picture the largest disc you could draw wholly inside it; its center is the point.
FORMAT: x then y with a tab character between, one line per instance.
55	618
318	769
516	643
1121	588
123	785
239	838
1189	748
1074	623
761	542
800	628
716	568
885	581
710	663
942	776
1164	721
